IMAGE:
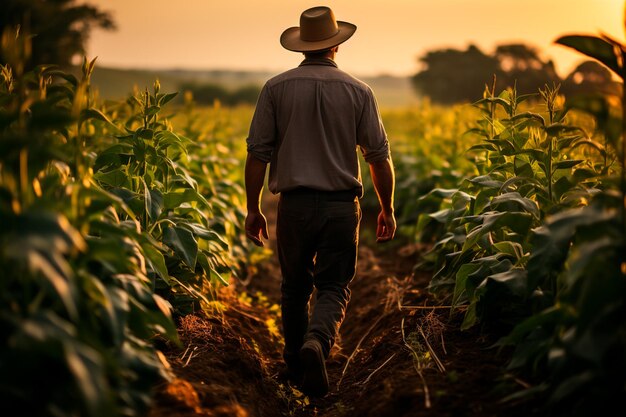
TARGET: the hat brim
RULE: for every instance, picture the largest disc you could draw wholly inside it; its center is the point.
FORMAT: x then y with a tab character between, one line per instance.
290	39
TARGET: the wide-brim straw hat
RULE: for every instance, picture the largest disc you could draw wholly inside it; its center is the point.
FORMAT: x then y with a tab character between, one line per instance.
318	31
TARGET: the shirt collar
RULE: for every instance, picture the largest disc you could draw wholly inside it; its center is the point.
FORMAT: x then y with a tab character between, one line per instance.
319	61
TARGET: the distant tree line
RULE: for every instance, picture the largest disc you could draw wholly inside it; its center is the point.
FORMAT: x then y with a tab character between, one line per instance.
209	93
452	76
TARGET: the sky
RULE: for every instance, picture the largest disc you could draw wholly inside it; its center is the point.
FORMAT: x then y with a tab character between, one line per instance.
391	34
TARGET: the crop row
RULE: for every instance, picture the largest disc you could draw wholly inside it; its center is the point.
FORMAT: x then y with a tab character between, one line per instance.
112	224
534	241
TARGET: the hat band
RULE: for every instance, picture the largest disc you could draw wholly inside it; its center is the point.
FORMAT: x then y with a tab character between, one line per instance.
317	39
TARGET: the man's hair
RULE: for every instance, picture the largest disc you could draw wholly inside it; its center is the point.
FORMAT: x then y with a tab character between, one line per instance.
317	54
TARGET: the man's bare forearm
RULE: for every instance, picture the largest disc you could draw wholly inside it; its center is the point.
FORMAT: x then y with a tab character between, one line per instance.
384	183
254	179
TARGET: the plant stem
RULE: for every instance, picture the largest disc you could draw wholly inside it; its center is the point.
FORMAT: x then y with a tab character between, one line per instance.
623	158
23	177
549	169
550	103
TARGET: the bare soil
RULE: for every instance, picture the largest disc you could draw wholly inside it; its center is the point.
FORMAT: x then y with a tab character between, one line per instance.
400	353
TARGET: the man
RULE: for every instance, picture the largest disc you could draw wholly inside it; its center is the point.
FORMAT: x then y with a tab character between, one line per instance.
307	125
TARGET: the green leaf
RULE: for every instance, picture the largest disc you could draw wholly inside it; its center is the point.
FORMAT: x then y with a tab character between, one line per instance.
593	47
191	290
156	261
506	104
62	74
508	284
152	110
483	147
166	98
113	155
115	304
183	243
145	133
132	199
163	305
163	317
556	129
478	132
592	144
483	198
147	199
460	287
441	216
42	241
581	174
114	178
519	183
87	369
174	199
514	200
529	116
549	318
95	114
594	272
486	181
518	222
206	234
471	317
522	166
182	175
165	138
552	241
139	149
569	163
512	249
156	204
216	277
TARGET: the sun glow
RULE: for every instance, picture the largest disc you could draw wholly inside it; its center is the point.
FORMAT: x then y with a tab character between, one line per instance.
391	35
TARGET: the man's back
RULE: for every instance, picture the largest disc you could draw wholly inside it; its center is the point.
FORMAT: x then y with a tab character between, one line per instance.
308	124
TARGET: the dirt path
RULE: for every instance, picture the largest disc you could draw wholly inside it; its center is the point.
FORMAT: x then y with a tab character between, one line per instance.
399	352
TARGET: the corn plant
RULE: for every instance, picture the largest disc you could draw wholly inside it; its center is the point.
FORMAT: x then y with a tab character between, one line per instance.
144	167
103	207
576	346
77	310
530	165
428	147
215	154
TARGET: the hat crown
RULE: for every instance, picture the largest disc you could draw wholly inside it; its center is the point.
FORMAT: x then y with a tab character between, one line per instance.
318	31
317	24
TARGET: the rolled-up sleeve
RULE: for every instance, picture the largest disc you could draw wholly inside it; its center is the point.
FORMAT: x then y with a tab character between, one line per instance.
371	135
261	139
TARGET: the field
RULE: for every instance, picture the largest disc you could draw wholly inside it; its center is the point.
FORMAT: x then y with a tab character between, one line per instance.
113	84
128	278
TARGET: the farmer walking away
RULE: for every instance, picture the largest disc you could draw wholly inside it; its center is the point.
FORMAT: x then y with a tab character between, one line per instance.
308	124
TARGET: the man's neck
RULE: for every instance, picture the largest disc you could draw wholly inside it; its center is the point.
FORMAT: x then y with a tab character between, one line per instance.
327	55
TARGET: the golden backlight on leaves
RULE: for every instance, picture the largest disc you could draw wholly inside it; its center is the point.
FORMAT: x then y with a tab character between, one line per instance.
511	208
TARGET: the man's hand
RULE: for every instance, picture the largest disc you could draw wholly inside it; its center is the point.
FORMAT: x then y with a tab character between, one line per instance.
386	228
384	181
256	226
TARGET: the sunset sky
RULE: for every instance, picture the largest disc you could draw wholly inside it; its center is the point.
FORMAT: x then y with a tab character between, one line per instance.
391	34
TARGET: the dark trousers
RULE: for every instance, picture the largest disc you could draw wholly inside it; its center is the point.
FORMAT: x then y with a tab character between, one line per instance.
317	234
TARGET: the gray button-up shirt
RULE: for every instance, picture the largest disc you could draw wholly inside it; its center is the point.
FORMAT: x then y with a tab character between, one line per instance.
308	124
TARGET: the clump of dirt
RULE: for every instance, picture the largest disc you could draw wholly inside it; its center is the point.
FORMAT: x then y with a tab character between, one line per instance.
224	367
